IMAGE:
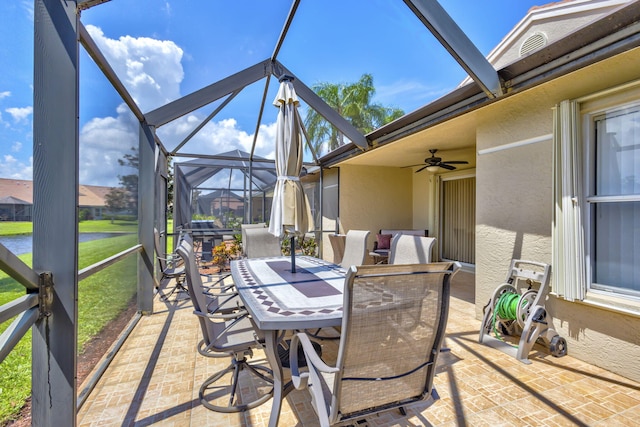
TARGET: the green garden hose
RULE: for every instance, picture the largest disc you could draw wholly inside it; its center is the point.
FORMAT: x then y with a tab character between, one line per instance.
506	308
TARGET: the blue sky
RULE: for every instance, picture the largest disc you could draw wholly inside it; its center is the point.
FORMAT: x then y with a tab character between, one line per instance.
163	50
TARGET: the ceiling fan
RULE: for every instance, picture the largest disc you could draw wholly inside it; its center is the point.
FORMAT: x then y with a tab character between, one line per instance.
433	163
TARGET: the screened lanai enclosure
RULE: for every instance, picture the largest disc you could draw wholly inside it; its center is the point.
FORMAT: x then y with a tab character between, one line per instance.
210	189
215	195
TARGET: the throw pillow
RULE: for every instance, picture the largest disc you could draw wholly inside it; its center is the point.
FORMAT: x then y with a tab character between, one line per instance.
384	241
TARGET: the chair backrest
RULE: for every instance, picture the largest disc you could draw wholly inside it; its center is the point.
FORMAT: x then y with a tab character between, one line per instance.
337	244
260	243
196	289
244	227
393	326
409	249
159	252
355	248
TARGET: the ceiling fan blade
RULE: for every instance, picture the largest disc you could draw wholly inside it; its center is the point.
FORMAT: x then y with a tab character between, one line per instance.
412	166
445	166
457	162
422	168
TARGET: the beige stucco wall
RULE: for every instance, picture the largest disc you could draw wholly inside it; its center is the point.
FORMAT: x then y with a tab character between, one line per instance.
513	203
375	197
515	207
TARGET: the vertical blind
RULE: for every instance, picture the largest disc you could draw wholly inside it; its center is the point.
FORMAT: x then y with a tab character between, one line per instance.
458	220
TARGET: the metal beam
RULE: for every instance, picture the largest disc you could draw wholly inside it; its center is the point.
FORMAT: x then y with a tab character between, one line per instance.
146	217
255	134
86	4
449	34
208	94
97	56
322	108
285	29
17	269
55	215
204	122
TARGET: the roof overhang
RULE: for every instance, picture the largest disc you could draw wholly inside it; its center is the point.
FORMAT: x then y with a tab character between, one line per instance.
607	37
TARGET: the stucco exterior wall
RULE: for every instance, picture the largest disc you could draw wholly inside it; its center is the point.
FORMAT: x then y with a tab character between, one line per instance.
423	202
375	197
515	207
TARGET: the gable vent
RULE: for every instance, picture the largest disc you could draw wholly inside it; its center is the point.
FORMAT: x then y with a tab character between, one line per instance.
534	42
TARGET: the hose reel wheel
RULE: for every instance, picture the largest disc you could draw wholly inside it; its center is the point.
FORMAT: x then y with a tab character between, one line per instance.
558	346
504	288
524	306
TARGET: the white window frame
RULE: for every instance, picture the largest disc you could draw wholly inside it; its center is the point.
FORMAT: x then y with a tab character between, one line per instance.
573	142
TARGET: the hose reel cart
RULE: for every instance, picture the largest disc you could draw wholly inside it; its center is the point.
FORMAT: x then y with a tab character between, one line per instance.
517	307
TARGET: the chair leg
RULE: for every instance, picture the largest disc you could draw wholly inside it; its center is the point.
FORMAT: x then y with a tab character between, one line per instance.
237	365
179	288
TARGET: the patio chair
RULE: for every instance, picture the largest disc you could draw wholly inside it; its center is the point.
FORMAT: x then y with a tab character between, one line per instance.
169	268
260	243
355	248
385	360
337	244
408	249
244	227
226	334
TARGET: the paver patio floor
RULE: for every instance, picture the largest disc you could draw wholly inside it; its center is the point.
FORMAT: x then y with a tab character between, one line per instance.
155	377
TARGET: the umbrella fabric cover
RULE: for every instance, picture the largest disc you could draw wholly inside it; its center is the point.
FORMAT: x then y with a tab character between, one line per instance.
290	211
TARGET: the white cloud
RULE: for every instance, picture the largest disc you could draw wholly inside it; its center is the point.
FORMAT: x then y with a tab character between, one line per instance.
217	137
152	72
5	94
103	141
15	169
20	115
167	8
16	146
150	69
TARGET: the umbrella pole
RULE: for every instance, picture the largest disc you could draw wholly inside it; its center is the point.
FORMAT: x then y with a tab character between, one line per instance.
293	253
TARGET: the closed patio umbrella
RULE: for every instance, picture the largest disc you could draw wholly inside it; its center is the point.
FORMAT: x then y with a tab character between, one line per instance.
290	212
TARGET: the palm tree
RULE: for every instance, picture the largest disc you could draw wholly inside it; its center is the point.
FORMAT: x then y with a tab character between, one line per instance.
351	101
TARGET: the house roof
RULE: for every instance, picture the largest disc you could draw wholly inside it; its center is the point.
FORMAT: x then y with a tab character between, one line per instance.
547	24
18	188
22	190
10	200
612	34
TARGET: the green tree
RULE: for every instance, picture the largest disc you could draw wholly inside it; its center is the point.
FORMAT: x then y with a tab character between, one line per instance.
353	102
130	182
170	187
116	200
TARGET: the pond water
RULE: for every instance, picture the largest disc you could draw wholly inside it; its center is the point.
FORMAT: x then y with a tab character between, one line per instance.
23	244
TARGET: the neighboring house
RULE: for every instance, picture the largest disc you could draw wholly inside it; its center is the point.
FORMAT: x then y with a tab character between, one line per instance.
553	174
14	209
219	202
16	200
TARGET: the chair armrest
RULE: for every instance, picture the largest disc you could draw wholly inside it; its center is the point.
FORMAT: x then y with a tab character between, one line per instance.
314	361
222	316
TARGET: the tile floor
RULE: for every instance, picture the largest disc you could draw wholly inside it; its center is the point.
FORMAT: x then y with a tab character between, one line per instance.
154	381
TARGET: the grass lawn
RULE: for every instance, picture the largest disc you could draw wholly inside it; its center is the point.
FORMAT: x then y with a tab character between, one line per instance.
10	228
101	298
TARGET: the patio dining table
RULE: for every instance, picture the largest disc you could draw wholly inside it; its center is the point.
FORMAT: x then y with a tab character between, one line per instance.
279	300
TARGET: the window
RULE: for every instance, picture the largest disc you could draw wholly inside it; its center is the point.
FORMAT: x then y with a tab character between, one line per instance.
613	199
596	230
